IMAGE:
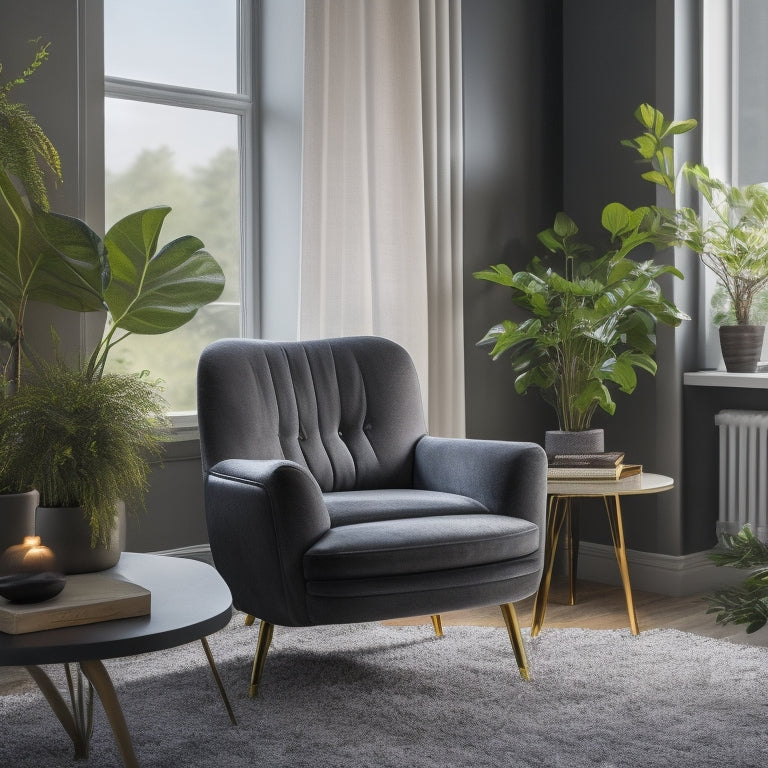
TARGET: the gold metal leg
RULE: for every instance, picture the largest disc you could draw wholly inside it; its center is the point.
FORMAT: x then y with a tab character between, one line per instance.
572	548
249	620
76	724
613	508
94	670
516	638
437	623
265	638
217	678
555	517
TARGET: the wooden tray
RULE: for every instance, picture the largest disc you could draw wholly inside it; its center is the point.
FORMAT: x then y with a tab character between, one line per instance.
87	598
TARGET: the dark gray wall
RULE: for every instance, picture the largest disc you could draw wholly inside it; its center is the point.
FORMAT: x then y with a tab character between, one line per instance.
512	186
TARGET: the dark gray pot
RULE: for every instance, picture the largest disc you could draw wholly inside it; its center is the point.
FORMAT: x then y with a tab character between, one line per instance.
588	441
741	346
68	533
17	517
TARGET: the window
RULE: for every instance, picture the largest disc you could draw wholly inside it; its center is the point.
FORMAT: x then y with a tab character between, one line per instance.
178	131
734	116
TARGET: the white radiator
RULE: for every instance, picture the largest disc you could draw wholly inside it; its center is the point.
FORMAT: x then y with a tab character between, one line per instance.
743	472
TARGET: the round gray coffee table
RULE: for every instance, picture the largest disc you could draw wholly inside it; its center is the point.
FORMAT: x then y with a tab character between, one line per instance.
560	493
189	601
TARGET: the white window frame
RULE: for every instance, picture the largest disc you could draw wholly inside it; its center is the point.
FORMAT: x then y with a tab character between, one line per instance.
242	105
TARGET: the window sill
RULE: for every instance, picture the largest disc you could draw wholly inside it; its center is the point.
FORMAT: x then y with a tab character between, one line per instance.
184	427
725	379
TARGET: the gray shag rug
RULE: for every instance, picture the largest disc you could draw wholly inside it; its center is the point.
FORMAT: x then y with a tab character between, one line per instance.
372	695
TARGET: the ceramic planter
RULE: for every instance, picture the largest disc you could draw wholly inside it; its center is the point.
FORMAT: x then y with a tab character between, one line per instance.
588	441
17	517
741	346
68	533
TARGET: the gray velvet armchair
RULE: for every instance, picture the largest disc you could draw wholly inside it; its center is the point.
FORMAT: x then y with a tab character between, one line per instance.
326	501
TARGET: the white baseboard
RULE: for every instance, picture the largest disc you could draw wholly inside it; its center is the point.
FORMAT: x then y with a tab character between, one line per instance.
653	572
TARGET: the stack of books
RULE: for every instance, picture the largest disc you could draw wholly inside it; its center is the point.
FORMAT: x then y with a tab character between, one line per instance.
591	466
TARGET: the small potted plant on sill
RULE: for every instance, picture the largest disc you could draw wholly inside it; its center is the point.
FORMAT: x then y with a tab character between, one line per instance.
592	317
733	243
730	236
59	260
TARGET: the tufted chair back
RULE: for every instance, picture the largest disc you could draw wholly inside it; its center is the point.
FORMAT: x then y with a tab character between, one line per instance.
349	410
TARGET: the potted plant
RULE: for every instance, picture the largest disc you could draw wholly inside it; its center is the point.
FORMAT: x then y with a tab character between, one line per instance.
592	315
730	236
144	289
732	241
85	445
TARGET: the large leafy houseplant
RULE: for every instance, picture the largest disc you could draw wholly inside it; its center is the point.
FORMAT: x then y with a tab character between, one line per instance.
145	289
592	313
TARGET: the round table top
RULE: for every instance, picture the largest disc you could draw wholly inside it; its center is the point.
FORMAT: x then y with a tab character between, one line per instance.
189	601
645	482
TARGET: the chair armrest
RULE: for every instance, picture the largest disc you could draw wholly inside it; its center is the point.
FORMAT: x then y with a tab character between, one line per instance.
262	516
509	478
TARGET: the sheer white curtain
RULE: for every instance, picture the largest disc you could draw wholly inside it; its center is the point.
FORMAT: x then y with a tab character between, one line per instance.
382	185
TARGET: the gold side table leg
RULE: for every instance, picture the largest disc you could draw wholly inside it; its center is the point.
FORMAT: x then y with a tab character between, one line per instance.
572	547
71	722
613	509
97	675
555	516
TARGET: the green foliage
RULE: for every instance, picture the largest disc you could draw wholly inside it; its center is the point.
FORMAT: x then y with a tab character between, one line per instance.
23	143
592	316
151	291
733	242
83	442
44	257
747	604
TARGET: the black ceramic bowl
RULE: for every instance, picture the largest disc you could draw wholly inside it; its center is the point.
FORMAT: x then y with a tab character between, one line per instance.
31	587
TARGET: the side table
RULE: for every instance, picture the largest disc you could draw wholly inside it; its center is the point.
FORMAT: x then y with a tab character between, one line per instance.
189	601
561	493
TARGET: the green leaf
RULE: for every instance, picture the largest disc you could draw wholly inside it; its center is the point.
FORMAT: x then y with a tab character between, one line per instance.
615	218
564	225
500	274
681	126
46	257
155	293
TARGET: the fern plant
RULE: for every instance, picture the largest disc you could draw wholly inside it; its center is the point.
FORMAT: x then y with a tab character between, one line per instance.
23	143
747	604
83	442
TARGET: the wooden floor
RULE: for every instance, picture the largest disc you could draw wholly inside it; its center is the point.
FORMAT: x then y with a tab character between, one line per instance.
598	606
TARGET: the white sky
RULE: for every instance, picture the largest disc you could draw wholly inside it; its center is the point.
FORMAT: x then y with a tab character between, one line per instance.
176	42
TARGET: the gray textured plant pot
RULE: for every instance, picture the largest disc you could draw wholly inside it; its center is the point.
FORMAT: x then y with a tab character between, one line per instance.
741	346
68	533
588	441
17	517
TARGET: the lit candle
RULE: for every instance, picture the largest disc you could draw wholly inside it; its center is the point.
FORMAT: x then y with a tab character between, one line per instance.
28	557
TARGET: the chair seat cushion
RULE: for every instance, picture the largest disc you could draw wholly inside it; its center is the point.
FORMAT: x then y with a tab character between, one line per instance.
418	545
351	507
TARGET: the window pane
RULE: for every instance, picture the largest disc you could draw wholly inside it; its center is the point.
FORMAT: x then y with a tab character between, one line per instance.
752	92
175	42
187	159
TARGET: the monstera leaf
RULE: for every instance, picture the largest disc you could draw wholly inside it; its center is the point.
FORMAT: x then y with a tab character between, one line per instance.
157	291
153	291
46	257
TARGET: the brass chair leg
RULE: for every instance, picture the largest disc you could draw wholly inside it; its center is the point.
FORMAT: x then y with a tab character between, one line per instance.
516	638
265	638
249	620
437	623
